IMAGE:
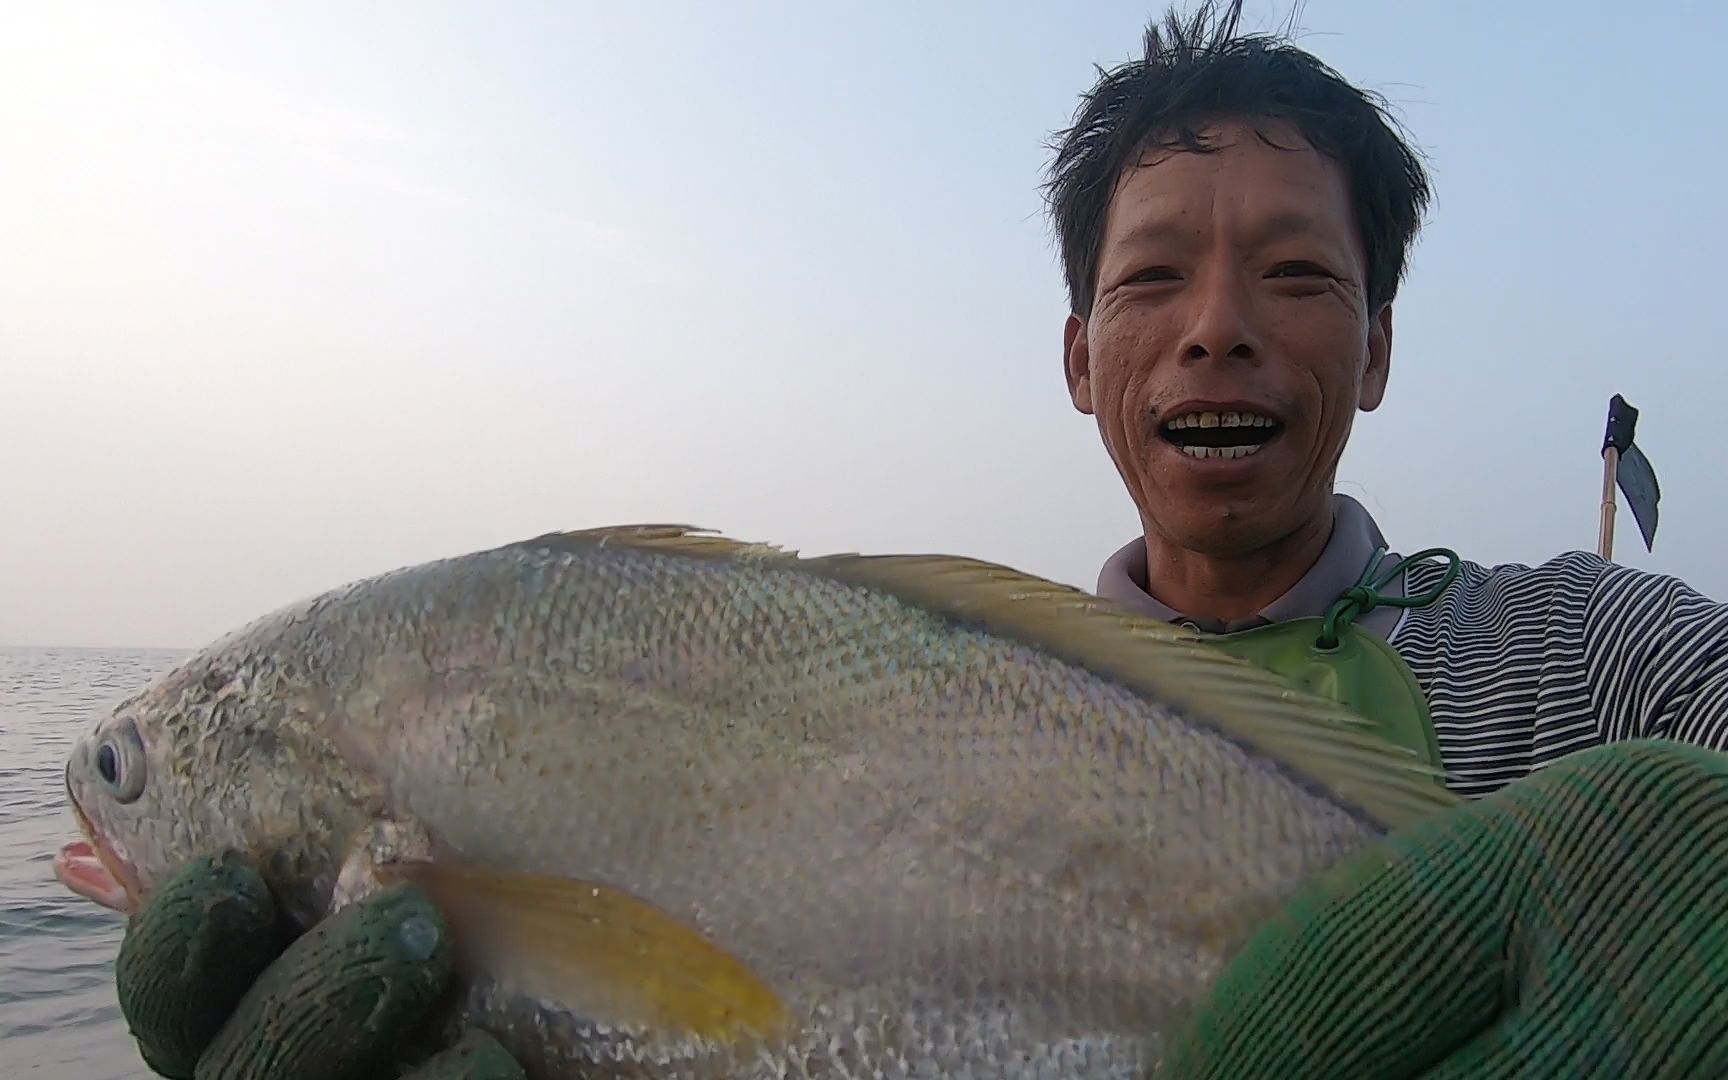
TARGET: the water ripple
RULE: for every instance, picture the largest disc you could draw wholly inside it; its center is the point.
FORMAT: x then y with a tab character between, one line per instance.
59	1015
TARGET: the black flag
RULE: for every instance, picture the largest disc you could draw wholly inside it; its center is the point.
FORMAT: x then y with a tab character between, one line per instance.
1636	478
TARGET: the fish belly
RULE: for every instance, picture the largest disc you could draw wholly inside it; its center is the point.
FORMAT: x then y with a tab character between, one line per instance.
888	1032
982	901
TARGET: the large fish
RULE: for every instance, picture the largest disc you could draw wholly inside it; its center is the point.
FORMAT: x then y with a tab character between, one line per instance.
703	808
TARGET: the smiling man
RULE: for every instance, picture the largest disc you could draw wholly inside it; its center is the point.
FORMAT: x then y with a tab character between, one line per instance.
1231	334
1235	220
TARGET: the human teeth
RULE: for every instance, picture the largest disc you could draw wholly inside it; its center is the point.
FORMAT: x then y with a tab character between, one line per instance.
1221	451
1213	420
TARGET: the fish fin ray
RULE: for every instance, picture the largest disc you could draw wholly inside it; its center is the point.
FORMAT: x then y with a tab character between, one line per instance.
611	957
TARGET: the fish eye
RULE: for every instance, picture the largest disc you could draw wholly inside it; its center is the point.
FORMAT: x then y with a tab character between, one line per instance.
120	763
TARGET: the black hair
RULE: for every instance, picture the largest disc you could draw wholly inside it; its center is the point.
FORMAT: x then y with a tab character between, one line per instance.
1198	72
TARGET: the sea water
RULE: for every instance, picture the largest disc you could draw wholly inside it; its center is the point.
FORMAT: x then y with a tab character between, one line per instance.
58	1015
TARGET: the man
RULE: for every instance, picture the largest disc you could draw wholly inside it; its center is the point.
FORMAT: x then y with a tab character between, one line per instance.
1232	311
1234	221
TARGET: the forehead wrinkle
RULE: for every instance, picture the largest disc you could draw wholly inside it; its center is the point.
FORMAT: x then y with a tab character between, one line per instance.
1164	230
1284	225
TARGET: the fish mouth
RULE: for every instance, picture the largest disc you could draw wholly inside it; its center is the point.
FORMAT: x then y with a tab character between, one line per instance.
91	869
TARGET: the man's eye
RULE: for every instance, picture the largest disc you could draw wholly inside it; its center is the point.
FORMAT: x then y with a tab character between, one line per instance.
1297	269
1155	273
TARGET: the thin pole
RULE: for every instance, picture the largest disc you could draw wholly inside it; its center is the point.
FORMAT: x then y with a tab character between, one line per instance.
1610	471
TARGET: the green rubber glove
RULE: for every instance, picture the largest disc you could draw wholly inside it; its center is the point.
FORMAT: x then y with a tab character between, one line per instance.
211	993
1573	924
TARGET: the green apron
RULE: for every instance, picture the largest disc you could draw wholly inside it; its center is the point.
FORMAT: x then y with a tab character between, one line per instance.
1335	659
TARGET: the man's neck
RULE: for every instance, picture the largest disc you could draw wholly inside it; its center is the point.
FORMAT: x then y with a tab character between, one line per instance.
1207	586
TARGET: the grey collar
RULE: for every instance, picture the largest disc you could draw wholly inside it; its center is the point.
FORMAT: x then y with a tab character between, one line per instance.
1352	543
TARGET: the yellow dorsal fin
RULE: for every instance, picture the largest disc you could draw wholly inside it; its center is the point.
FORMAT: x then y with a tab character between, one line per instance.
1313	738
610	957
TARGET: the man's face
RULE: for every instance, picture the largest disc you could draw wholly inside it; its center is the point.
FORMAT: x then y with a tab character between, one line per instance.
1230	343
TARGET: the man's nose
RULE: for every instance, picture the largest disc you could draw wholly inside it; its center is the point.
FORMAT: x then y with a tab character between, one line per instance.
1221	325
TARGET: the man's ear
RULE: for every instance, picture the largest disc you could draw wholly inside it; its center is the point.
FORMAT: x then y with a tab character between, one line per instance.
1379	360
1077	362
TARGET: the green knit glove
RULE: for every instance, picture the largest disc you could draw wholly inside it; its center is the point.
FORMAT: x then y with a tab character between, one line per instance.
211	993
1573	924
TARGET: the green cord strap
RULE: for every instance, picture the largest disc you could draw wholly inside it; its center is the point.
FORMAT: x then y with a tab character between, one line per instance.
1365	595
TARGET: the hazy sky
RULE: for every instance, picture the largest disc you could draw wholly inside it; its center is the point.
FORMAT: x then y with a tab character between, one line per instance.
292	295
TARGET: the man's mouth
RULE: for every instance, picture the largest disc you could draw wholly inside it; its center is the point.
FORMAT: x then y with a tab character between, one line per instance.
1220	434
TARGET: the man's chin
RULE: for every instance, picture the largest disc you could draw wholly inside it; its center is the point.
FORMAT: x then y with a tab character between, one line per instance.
1223	525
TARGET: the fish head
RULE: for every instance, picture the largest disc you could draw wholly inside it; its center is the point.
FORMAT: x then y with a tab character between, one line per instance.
223	754
107	786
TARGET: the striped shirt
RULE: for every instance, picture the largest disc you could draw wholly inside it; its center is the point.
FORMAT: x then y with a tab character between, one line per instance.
1522	664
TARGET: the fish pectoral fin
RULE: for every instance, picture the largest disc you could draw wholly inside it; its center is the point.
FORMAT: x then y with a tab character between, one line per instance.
608	956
